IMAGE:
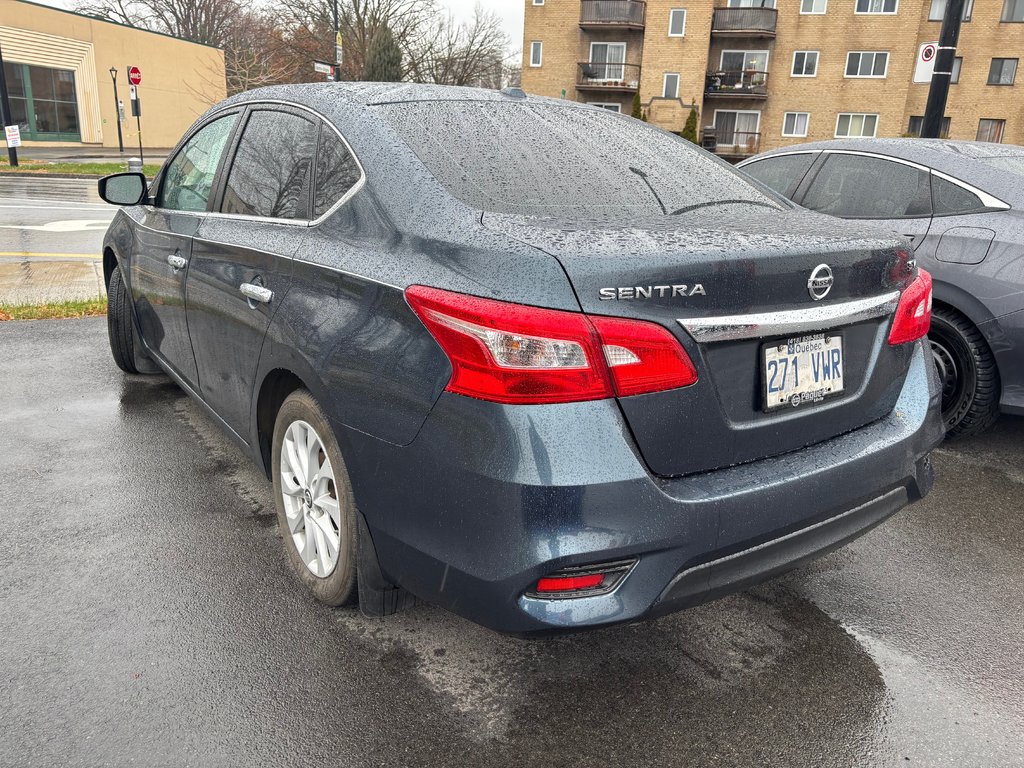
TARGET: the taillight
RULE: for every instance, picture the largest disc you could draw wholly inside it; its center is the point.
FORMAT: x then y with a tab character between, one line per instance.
512	353
914	312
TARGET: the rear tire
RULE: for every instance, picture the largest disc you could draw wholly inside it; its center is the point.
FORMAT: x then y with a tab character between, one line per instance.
967	372
316	512
124	341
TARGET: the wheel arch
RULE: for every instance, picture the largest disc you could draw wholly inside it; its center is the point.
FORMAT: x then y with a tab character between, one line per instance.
110	263
277	384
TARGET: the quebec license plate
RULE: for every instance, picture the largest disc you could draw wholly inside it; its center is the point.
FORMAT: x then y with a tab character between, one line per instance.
801	370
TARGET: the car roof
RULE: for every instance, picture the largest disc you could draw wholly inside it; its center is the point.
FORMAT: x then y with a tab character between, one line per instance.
369	94
965	160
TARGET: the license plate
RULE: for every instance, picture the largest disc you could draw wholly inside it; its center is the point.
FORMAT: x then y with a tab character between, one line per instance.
801	370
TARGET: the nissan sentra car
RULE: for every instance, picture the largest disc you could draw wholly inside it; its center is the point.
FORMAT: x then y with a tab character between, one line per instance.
544	365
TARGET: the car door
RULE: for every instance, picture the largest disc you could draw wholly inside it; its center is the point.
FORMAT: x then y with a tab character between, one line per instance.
163	245
890	193
241	265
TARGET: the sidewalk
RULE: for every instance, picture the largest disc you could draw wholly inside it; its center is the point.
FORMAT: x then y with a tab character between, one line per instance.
50	282
91	154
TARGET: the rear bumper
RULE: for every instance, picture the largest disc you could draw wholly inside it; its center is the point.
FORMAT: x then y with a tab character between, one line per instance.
489	498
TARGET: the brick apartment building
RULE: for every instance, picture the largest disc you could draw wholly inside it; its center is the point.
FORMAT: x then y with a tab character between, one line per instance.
766	73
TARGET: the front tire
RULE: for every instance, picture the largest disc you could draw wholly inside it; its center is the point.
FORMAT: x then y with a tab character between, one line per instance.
967	372
124	341
316	512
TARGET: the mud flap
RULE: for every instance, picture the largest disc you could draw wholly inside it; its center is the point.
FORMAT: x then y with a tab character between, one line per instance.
377	595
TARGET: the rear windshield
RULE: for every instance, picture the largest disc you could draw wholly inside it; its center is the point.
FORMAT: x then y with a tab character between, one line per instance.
545	160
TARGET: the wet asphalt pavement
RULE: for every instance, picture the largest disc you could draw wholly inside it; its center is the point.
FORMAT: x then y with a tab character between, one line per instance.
147	617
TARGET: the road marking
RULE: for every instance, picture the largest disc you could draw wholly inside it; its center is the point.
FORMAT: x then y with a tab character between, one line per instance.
31	255
78	207
64	225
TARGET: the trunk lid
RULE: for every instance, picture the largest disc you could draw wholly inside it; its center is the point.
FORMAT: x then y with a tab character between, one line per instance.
682	271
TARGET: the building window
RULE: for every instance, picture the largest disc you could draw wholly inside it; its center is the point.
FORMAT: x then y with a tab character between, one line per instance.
670	88
867	63
538	2
991	130
1013	10
958	62
938	10
536	53
1002	72
44	102
805	63
751	4
877	6
677	22
813	6
738	129
795	123
917	125
607	61
855	125
610	106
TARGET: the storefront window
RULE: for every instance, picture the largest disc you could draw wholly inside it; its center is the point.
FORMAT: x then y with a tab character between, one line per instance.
43	101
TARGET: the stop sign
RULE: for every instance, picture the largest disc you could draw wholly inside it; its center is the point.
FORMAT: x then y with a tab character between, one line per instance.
134	75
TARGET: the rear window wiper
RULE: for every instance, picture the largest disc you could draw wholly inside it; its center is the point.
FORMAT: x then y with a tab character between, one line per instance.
689	208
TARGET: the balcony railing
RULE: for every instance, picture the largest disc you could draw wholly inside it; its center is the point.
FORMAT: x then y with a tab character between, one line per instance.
744	22
735	144
604	76
609	14
742	83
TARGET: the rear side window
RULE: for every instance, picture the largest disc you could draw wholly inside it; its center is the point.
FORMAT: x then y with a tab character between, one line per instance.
859	187
547	160
188	179
270	174
949	199
336	171
781	173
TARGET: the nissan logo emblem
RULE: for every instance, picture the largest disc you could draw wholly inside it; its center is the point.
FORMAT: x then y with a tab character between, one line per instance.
820	282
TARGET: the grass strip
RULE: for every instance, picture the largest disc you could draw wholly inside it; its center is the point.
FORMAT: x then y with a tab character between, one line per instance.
55	311
85	169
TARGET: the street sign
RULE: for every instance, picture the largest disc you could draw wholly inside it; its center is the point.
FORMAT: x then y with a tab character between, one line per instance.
925	63
323	69
13	133
134	75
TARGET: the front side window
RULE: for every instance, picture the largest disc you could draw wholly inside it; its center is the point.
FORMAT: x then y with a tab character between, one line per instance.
1002	72
938	10
991	130
795	123
781	173
805	63
536	53
188	180
336	171
854	125
813	6
270	172
677	22
671	86
916	125
877	6
1013	10
859	187
867	63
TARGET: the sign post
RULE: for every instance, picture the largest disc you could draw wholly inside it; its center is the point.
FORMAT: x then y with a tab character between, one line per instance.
6	117
942	69
135	78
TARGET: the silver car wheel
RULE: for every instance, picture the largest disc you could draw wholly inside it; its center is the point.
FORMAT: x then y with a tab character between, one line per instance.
310	499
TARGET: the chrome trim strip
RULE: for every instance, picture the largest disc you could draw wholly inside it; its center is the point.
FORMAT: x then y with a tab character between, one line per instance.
789	322
990	201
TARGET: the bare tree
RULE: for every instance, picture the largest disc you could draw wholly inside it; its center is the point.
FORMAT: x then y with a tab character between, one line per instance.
255	54
472	53
202	21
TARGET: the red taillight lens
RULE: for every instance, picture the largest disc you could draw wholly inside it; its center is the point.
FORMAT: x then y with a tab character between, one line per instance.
512	353
569	583
914	312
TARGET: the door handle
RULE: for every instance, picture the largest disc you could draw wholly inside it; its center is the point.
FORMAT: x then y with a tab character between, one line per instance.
177	262
256	293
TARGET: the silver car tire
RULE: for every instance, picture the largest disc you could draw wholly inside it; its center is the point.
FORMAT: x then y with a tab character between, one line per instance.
313	495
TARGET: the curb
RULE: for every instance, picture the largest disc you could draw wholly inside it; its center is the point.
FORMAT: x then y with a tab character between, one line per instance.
44	175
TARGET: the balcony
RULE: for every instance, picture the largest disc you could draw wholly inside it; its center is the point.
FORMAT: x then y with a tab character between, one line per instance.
744	22
607	77
612	14
736	84
732	145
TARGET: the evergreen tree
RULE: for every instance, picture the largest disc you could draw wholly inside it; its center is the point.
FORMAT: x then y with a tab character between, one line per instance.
638	111
690	128
383	58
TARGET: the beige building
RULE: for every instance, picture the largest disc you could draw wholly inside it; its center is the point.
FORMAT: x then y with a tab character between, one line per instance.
763	76
61	91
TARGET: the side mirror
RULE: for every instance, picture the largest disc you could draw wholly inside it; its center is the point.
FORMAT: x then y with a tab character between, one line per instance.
123	188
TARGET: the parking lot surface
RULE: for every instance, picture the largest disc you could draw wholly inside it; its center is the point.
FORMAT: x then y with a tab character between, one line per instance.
148	617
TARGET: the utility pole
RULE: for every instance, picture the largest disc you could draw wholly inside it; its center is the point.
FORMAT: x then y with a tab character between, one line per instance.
5	111
117	111
938	91
337	45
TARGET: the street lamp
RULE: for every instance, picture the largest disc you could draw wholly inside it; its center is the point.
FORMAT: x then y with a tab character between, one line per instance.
117	111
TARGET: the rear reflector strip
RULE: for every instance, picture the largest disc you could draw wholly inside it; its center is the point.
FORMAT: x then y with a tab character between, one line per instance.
584	581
